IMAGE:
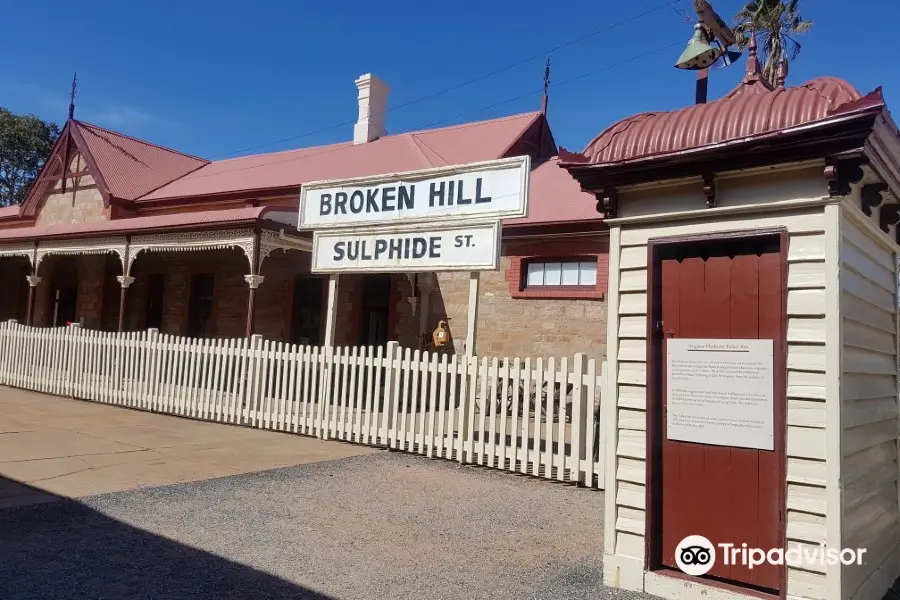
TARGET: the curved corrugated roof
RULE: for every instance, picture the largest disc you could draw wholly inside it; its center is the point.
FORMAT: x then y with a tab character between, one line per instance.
751	109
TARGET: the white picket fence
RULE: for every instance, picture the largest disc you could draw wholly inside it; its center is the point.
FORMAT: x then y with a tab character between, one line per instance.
529	416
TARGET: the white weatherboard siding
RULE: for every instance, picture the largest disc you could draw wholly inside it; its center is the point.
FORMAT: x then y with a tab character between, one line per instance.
869	471
807	307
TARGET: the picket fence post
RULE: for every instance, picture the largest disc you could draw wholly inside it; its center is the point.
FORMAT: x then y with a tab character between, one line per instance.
391	354
579	409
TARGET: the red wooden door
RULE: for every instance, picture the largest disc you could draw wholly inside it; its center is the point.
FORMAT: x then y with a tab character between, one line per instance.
722	290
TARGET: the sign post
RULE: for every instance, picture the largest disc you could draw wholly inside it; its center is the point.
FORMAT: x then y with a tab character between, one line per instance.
441	219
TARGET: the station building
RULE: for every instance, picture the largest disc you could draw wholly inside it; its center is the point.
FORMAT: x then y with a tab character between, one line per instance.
123	234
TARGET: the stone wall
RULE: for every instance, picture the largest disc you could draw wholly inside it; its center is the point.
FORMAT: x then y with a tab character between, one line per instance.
80	203
536	325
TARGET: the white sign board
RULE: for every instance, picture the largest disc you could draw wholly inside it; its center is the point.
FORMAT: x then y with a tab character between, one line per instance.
460	247
721	392
488	190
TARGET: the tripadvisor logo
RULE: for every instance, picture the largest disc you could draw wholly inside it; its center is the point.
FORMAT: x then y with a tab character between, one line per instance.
695	555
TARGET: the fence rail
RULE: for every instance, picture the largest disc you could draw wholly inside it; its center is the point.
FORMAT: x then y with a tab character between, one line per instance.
537	417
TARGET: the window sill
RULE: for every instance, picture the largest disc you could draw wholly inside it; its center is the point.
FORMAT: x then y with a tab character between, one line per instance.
558	294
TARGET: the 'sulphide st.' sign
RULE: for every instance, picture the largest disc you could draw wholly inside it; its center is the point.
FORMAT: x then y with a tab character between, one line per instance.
419	248
496	189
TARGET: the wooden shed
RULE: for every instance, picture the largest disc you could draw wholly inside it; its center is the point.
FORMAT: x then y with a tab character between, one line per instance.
752	339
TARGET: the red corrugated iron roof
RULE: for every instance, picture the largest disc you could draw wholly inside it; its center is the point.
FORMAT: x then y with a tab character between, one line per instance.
197	219
751	109
470	142
131	167
555	197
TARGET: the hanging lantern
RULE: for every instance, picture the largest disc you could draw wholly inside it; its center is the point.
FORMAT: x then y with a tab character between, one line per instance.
440	337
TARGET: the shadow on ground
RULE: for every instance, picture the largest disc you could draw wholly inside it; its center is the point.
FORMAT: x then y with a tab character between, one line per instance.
61	549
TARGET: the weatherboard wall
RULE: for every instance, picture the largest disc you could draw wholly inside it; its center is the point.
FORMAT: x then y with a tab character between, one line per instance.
794	199
869	414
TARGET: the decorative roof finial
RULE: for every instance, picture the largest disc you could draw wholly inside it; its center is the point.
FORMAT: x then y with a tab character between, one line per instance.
782	74
752	73
72	96
546	87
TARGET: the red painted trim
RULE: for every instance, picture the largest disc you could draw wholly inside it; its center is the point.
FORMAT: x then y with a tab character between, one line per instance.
520	253
29	205
230	196
92	164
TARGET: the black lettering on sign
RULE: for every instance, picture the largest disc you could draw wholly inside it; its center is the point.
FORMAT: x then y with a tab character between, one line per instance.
338	251
380	247
462	199
325	204
479	199
340	203
450	193
420	247
458	241
353	250
436	192
407	197
434	247
372	200
356	202
363	253
388	194
396	250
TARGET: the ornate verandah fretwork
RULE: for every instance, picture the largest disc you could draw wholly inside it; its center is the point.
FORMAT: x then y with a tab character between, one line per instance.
244	239
115	245
26	249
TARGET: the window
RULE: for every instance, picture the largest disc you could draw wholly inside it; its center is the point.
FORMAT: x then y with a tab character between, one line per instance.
561	274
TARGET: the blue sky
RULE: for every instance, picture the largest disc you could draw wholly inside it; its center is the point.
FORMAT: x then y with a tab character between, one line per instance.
216	77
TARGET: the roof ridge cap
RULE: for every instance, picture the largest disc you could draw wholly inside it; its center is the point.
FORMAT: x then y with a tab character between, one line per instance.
286	151
471	123
139	140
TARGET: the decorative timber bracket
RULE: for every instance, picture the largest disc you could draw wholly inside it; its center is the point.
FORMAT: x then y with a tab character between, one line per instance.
608	202
871	197
709	190
890	215
840	174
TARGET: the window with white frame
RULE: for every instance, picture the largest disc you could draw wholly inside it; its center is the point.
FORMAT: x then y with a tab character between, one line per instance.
561	273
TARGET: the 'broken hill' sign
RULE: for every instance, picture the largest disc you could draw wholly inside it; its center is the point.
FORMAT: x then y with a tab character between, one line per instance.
490	190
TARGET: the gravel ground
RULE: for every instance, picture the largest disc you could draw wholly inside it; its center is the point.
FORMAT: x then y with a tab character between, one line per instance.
384	525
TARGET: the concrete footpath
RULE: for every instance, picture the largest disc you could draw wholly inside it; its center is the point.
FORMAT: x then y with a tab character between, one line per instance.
74	449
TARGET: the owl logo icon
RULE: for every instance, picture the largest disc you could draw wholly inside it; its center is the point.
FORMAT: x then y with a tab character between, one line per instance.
695	555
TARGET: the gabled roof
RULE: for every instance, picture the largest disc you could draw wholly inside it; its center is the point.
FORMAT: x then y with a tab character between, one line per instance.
470	142
122	166
555	197
131	167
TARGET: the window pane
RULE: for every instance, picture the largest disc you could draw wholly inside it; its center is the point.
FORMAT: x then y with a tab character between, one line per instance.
535	274
570	273
588	273
552	273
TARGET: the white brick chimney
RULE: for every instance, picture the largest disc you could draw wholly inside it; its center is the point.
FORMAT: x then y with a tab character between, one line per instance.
373	94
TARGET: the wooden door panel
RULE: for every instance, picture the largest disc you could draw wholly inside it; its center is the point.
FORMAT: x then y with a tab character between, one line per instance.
729	495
